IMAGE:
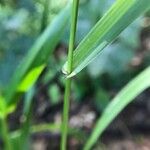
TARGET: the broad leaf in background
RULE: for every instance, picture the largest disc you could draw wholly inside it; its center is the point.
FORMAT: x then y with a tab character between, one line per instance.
105	4
114	55
38	54
120	15
12	33
133	31
126	96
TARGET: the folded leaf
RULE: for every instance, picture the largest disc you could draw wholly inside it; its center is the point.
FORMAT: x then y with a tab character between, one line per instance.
120	15
126	96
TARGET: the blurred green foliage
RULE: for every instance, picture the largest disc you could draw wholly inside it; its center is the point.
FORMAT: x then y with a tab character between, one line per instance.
21	21
20	25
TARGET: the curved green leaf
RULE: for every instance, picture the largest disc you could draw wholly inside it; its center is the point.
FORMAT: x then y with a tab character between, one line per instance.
37	55
120	15
126	96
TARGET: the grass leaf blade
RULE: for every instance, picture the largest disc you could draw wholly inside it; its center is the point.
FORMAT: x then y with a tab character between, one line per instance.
38	55
126	96
118	17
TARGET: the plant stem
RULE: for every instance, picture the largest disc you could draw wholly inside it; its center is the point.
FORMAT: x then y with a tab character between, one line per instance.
74	17
5	134
65	114
72	34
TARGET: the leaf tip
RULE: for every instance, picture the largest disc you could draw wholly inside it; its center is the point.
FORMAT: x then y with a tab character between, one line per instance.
64	69
71	75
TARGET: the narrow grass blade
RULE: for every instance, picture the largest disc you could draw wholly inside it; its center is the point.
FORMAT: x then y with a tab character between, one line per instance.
48	128
27	114
21	140
2	107
4	110
37	56
118	17
126	96
5	134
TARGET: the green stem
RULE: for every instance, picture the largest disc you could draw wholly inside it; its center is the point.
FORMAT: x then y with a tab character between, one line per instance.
5	134
72	34
65	114
68	81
